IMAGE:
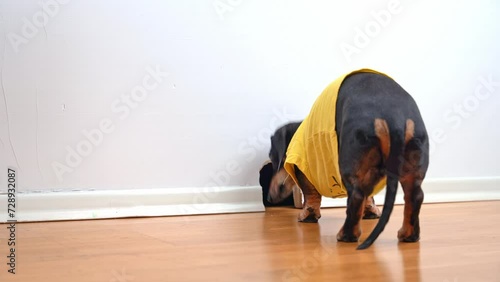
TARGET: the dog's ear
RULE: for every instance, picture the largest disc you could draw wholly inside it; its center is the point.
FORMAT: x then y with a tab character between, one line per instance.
280	141
265	176
290	130
279	145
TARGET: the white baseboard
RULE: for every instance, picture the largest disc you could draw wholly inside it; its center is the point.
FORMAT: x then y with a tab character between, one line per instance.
74	205
444	190
101	204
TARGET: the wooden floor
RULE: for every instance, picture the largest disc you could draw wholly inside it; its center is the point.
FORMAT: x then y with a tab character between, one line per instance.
460	242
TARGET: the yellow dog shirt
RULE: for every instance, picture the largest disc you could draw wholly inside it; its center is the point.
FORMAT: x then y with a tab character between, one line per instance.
314	149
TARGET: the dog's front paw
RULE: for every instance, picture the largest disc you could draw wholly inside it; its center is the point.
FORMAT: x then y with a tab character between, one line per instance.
371	211
408	234
309	215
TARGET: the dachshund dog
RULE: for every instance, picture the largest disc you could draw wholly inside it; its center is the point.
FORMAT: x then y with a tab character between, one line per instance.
363	132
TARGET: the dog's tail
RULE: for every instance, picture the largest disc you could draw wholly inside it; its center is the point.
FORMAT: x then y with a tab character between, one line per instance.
392	144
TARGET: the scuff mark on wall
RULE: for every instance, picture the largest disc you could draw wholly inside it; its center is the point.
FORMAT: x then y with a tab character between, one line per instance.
43	25
1	74
36	132
7	107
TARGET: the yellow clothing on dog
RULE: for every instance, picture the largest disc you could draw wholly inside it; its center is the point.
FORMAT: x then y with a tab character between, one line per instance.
314	149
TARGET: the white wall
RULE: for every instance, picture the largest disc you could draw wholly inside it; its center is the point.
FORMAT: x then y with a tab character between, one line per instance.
236	70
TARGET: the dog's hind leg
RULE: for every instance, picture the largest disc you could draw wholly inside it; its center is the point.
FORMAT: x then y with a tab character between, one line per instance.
351	230
312	199
413	173
359	178
414	196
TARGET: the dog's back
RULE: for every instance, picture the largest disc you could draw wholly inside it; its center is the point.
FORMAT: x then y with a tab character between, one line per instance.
363	96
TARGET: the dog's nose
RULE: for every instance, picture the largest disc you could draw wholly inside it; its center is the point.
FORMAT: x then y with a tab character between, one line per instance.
282	187
269	198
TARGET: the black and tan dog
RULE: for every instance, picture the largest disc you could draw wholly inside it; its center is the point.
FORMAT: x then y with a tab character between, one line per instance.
370	131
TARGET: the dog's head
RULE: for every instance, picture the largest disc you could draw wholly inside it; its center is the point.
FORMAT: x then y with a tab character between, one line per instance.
281	184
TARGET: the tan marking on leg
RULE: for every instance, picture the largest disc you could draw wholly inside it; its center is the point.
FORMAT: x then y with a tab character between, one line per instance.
312	199
407	229
367	171
371	210
382	132
410	230
410	130
357	227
